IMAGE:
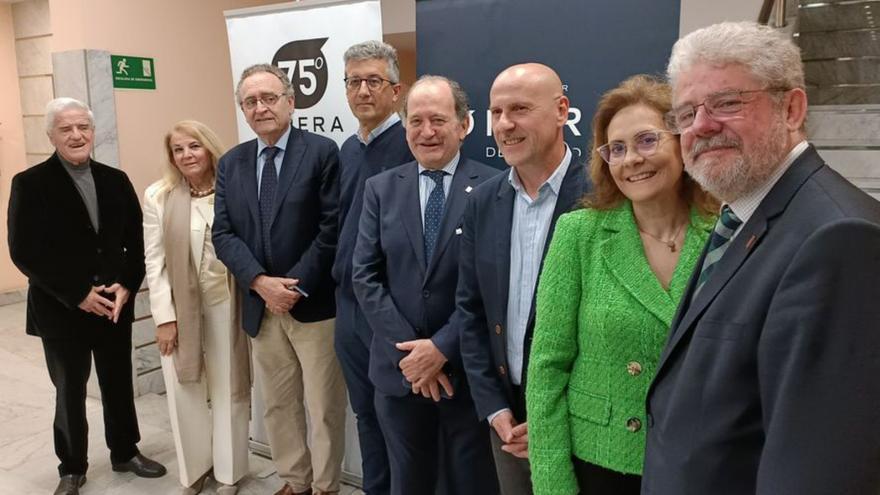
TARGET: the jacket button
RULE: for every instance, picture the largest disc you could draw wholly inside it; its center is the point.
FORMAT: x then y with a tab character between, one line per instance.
497	329
634	368
95	278
426	294
633	424
100	250
650	421
502	371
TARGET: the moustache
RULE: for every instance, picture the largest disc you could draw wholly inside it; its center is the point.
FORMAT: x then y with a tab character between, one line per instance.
720	141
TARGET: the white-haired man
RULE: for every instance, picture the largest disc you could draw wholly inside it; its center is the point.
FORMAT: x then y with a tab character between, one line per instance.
768	382
75	232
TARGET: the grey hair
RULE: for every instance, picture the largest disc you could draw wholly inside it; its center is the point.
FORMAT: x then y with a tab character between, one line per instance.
458	95
268	68
375	50
58	105
770	55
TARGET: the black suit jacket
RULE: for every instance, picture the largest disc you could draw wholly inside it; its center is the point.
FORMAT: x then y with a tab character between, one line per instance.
402	295
304	225
769	381
484	276
52	241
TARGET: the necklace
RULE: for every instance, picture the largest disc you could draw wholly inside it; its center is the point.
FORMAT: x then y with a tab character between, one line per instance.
670	243
195	193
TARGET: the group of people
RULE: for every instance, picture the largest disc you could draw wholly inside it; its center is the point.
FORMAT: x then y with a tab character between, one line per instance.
688	312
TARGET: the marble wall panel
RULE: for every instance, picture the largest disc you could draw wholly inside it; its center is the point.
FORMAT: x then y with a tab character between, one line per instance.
33	56
31	18
70	74
35	93
102	99
855	126
36	140
143	332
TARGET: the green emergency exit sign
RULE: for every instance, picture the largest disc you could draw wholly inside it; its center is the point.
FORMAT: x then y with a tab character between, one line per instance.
133	72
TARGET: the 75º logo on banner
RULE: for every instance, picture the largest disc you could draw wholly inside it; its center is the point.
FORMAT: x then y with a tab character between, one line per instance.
306	67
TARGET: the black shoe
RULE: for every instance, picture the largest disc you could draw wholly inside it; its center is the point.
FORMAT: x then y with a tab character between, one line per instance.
141	466
70	483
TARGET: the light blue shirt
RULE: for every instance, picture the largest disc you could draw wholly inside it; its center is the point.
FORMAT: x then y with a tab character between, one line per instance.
427	185
279	157
388	122
528	234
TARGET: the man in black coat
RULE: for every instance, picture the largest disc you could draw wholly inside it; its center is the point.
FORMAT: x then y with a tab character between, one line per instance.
75	232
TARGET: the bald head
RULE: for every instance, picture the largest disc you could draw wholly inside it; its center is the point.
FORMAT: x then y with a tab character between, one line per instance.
536	76
529	111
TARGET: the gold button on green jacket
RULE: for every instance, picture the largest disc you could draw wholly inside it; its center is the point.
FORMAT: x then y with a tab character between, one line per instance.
602	321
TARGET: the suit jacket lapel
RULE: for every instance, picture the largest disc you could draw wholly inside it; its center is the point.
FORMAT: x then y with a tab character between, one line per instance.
623	256
412	214
502	221
73	197
453	209
249	179
290	165
741	247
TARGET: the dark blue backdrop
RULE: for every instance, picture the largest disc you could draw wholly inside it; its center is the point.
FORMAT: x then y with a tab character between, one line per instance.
592	44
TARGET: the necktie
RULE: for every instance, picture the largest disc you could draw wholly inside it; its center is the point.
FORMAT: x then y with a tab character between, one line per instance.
433	212
719	241
268	183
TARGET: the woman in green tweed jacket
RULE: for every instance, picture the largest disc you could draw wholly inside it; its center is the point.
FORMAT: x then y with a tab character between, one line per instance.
610	286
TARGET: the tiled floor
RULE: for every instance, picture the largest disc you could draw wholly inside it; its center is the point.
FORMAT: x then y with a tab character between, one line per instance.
27	459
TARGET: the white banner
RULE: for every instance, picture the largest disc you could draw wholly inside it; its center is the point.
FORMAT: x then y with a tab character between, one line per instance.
307	39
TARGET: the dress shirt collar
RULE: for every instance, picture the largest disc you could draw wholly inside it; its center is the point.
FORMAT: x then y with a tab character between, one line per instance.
388	122
554	182
449	168
281	144
745	206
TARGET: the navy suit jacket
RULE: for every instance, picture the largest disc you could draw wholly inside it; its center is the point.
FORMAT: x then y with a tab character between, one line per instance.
484	276
303	232
402	295
768	384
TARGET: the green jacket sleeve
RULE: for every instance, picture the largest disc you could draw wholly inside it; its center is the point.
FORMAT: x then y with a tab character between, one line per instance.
553	352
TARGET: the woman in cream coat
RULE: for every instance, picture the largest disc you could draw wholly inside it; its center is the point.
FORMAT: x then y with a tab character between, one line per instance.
205	360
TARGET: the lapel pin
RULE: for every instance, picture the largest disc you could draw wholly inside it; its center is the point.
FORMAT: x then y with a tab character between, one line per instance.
458	231
468	189
751	241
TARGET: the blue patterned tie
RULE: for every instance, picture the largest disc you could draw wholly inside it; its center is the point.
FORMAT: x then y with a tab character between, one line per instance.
433	212
268	183
718	243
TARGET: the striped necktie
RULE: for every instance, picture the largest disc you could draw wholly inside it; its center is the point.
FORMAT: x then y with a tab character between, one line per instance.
724	228
433	212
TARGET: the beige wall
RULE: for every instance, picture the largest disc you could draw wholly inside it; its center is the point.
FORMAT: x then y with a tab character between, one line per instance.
12	148
188	41
701	13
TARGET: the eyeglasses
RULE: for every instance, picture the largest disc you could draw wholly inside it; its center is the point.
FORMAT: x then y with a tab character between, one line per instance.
268	100
646	143
373	83
720	107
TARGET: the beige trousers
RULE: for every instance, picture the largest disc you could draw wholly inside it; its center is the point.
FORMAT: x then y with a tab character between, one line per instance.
209	429
298	372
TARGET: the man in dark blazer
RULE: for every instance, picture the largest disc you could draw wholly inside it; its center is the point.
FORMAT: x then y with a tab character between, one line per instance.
507	226
372	89
768	383
405	272
75	232
275	229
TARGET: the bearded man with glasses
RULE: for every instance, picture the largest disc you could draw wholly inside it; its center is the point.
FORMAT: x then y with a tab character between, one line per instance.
767	384
275	228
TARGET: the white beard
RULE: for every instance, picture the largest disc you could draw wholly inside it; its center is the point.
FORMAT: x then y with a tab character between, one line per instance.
738	176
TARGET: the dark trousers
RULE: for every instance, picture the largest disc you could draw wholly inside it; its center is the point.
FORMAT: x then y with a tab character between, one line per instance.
596	480
436	447
352	343
69	362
